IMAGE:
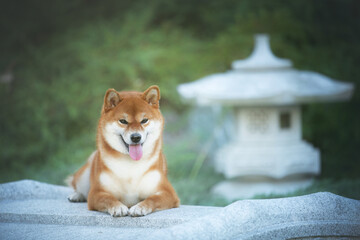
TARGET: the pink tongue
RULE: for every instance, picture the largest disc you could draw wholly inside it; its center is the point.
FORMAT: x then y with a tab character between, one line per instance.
135	151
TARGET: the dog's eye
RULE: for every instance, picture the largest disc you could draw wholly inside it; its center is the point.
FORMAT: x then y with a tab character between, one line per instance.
123	121
145	120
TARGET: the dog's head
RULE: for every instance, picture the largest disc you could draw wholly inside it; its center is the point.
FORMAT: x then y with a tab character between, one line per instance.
131	122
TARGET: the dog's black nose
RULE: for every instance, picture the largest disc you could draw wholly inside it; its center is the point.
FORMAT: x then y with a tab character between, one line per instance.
135	137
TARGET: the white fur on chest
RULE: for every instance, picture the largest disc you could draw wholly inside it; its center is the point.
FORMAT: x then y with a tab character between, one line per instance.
127	180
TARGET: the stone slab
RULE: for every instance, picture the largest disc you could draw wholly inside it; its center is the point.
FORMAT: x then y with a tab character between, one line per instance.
29	189
62	212
27	213
314	215
11	231
31	206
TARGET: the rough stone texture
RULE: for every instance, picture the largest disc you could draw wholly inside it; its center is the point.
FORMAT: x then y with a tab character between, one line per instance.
33	210
31	206
29	189
62	212
321	214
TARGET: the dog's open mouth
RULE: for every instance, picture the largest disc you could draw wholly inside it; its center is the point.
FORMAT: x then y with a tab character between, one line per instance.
135	150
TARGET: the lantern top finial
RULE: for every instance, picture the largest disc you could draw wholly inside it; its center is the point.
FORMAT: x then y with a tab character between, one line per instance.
261	57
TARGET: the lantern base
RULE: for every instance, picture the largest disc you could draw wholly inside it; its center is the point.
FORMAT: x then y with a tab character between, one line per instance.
250	188
273	159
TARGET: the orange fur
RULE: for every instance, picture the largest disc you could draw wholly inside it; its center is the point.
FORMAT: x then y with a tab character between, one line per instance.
118	184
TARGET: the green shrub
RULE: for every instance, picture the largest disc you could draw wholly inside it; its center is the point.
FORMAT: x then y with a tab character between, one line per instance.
65	54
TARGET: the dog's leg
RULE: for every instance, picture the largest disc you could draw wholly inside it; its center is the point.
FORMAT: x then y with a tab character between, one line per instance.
80	181
163	199
105	202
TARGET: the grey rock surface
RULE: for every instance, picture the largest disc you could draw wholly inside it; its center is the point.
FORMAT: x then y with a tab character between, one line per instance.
320	214
32	207
29	189
33	210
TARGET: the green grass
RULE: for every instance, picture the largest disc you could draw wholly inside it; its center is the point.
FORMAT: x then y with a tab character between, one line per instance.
56	168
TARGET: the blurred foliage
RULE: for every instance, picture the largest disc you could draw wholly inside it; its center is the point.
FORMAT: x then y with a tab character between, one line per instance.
63	55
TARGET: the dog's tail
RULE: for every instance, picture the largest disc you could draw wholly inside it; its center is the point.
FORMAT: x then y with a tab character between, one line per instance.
69	181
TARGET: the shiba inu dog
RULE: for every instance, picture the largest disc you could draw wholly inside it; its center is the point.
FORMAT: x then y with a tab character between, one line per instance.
127	174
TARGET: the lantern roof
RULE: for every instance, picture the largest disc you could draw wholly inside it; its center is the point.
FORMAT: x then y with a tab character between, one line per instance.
264	79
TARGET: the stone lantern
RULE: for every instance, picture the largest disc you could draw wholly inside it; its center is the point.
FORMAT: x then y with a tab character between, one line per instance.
267	154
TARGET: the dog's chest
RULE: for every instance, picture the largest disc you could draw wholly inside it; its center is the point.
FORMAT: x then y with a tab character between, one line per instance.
130	181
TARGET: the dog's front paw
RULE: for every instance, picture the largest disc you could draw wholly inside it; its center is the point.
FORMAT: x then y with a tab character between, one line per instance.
139	210
119	210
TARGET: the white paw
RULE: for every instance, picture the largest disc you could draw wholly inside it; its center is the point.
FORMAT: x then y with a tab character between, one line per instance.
76	197
139	210
119	211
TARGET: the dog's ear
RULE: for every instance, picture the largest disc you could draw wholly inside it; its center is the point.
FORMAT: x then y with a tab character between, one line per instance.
111	99
152	95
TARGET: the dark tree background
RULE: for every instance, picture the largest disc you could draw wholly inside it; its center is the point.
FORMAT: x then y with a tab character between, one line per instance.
57	58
